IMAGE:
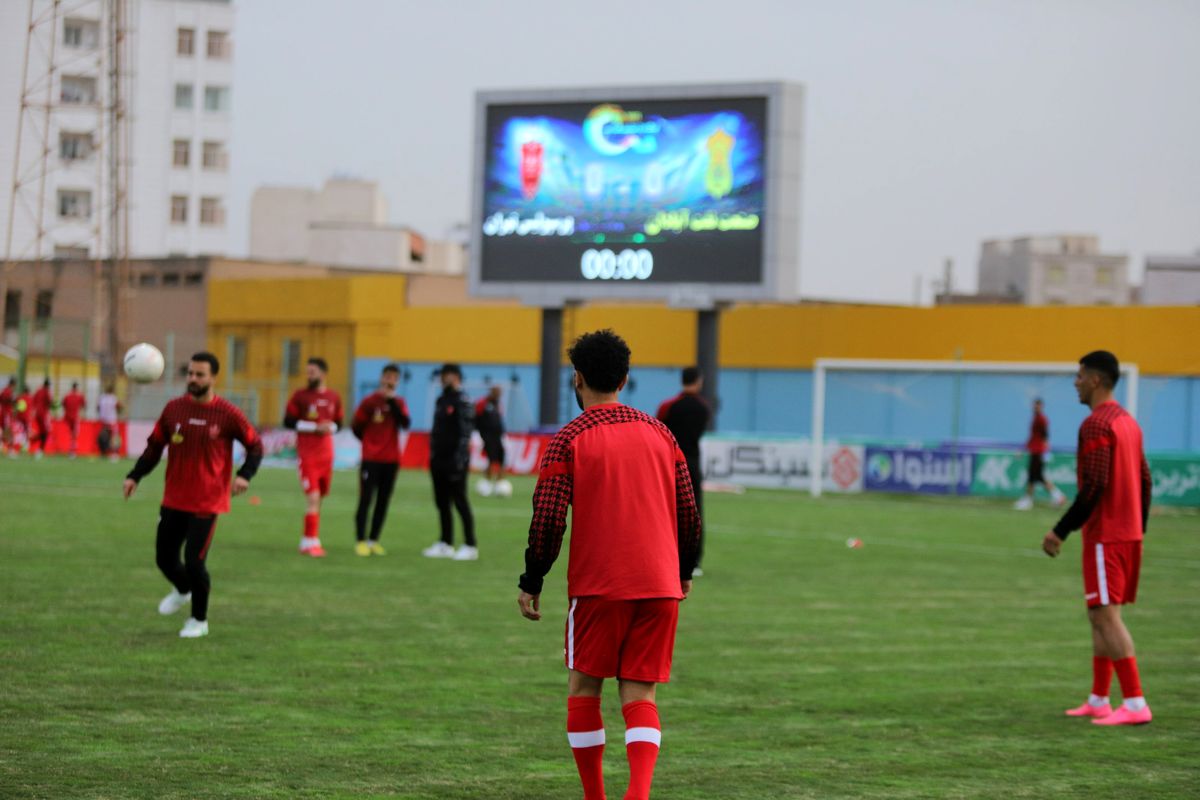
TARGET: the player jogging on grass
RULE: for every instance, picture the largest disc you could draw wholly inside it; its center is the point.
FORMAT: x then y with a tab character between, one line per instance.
377	422
73	404
315	414
199	428
489	421
634	533
1037	445
1112	507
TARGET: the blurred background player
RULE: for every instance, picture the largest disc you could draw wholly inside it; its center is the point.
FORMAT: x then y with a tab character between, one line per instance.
73	404
8	398
22	421
108	412
489	421
315	414
687	415
377	422
1112	507
43	404
634	534
199	428
449	457
1038	444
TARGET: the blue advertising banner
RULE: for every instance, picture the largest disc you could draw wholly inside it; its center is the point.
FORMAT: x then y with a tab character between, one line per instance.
914	470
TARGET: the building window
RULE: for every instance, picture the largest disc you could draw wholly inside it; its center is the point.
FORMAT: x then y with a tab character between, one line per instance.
147	279
291	357
216	99
179	208
218	44
78	90
170	279
181	152
1104	276
215	157
211	211
193	279
185	42
183	96
74	146
74	204
81	34
239	354
12	310
1056	275
44	306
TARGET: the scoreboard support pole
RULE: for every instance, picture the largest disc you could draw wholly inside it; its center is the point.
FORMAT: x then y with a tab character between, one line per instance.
707	329
551	366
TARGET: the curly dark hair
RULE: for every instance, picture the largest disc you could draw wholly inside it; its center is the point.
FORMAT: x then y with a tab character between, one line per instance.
1105	363
602	358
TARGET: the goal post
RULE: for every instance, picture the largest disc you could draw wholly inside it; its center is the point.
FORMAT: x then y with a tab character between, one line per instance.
823	367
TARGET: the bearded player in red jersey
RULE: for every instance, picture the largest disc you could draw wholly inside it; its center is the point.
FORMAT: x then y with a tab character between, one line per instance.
1112	507
377	422
634	535
315	414
199	428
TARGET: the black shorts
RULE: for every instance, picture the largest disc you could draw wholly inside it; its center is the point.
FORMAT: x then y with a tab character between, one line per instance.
1035	468
493	448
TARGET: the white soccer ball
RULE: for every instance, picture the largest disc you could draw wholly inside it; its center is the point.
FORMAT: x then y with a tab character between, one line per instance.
144	363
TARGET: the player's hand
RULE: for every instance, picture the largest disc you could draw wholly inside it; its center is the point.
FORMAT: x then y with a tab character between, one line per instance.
686	586
325	426
240	485
130	487
529	604
1052	545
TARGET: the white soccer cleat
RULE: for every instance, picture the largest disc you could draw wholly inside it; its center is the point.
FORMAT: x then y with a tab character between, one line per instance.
1024	504
173	602
438	549
1059	499
466	553
697	573
484	487
503	488
193	629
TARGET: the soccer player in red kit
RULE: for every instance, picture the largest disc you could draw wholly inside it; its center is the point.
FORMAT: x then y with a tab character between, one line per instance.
315	413
377	422
8	398
1038	444
199	428
73	404
43	401
22	419
634	534
1112	507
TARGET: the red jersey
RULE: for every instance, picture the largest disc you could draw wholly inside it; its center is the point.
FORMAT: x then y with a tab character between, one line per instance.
1039	435
42	401
634	526
72	404
1113	503
6	403
378	421
307	409
200	437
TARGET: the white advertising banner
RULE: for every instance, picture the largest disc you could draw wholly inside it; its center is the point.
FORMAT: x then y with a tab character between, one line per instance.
780	463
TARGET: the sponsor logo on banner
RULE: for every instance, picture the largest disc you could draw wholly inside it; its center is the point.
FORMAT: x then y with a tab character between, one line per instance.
938	471
784	463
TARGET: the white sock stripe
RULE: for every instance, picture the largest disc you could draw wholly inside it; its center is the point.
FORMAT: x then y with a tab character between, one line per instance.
586	738
651	735
571	634
1101	574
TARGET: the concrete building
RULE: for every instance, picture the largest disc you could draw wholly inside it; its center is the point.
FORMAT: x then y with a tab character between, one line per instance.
1171	281
179	102
1054	270
344	224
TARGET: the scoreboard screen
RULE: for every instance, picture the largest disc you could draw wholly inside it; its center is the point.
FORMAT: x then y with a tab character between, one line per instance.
622	195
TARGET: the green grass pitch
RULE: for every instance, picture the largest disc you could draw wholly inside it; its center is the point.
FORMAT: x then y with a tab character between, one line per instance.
934	662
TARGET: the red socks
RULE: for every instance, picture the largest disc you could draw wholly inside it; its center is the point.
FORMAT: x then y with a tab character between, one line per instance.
1102	670
642	737
585	732
312	526
1127	674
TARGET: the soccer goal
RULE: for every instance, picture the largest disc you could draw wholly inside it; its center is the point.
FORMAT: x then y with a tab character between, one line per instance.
948	401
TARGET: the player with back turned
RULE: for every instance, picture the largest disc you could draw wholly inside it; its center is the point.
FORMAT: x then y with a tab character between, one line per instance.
377	422
634	533
687	416
1112	507
315	414
200	429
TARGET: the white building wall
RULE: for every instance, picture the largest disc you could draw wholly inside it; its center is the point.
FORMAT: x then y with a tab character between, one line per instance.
1172	281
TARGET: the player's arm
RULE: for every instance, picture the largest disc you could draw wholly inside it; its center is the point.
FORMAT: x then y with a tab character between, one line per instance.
663	409
551	500
358	424
149	458
400	412
1095	462
1147	493
291	417
687	517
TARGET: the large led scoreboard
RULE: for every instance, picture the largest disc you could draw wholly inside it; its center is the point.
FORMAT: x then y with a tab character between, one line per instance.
683	193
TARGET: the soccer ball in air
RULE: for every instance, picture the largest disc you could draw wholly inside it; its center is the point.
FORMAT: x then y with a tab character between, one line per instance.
144	363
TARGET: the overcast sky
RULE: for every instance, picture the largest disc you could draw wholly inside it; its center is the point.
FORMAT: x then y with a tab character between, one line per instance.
931	124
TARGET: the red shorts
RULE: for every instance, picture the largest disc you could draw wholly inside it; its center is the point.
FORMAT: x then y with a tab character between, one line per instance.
627	639
316	476
1110	572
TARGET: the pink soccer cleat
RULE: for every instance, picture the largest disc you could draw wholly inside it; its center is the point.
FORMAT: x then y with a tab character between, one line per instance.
1089	710
1123	716
315	552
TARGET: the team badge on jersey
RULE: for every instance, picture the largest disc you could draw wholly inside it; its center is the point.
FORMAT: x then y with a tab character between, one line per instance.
312	412
177	436
378	415
214	431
